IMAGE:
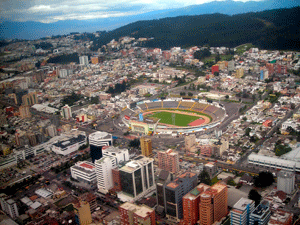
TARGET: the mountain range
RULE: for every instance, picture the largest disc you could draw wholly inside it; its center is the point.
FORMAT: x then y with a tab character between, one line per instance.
36	30
270	29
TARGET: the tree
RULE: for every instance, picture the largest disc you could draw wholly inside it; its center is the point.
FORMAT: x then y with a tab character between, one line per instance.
247	131
190	94
217	58
202	54
227	96
204	177
255	196
264	179
134	143
231	182
216	74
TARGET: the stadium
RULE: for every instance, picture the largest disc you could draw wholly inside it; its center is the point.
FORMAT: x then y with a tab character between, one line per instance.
172	116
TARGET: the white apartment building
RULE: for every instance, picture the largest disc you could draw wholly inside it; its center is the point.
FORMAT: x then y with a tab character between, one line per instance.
83	60
66	112
104	168
240	213
9	206
84	171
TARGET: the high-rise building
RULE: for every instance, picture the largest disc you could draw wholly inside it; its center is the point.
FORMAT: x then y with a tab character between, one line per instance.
83	214
104	168
191	205
24	111
51	130
175	191
240	213
29	99
211	169
131	214
286	181
116	180
231	65
98	140
261	214
164	178
239	73
63	73
190	143
146	146
91	199
97	59
66	112
168	160
83	60
137	178
213	204
9	206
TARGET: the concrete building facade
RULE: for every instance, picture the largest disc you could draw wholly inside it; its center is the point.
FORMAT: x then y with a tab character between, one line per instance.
168	160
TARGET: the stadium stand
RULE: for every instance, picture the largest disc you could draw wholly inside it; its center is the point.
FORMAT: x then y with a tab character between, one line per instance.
154	105
142	107
170	104
210	109
128	112
199	106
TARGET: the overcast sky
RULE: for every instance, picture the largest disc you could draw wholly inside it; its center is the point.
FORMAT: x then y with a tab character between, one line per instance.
47	11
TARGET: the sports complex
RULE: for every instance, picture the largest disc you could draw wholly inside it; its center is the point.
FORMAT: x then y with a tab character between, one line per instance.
174	115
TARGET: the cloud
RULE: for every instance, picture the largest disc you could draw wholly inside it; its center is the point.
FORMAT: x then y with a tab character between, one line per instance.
47	11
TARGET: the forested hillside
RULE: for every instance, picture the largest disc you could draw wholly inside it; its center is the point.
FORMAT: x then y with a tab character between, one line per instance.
272	29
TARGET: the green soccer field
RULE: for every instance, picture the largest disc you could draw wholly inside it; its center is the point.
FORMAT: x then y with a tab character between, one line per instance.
180	119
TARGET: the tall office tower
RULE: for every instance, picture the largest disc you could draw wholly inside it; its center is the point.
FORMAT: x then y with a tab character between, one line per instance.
261	215
137	178
97	141
66	112
164	178
190	204
24	112
83	60
104	168
9	206
168	160
175	191
241	211
83	214
213	204
286	181
146	146
132	214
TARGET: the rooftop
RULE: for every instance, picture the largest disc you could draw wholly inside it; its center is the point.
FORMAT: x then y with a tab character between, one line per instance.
242	204
100	135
